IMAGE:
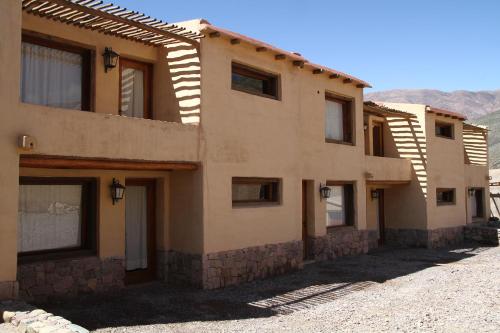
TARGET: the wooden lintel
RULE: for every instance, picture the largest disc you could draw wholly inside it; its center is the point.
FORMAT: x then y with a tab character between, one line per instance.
298	63
53	162
261	49
317	71
235	41
279	56
347	80
334	76
360	85
214	34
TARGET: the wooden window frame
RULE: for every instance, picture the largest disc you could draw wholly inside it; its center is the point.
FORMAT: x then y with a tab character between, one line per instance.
442	124
88	61
275	191
89	208
147	68
347	119
258	74
482	205
446	203
350	207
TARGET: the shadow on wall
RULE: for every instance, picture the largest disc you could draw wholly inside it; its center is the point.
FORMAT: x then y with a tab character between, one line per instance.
411	144
317	284
184	65
475	145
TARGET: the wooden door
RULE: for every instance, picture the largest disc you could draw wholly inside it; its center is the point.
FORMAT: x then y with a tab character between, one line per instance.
381	217
378	141
140	247
135	89
304	218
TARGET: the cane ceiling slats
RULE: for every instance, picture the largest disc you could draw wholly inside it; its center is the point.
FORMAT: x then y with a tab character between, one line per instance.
111	20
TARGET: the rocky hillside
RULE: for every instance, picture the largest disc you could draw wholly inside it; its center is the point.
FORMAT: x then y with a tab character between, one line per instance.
473	104
492	120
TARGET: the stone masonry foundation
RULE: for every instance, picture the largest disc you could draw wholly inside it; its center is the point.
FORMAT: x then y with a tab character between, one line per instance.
482	234
69	277
342	241
437	238
221	269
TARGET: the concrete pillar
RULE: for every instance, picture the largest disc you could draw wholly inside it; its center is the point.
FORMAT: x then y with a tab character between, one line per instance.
10	55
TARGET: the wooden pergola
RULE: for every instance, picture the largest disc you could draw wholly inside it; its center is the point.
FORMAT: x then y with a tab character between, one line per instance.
384	111
111	20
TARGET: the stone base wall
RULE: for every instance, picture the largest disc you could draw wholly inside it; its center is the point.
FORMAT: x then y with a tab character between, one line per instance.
482	234
342	241
69	277
221	269
437	238
237	266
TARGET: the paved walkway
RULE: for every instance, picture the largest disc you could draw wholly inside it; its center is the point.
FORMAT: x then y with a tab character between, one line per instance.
386	291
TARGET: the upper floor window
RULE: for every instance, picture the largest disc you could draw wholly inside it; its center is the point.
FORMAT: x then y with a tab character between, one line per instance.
254	81
445	196
55	74
444	130
338	120
340	205
252	191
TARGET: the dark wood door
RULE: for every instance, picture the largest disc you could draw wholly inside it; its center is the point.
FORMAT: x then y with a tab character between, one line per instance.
378	141
381	217
304	218
140	247
135	89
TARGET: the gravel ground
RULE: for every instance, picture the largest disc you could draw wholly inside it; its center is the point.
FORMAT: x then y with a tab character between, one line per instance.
411	290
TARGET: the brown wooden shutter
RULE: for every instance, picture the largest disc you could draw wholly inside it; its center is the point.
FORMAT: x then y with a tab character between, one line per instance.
347	121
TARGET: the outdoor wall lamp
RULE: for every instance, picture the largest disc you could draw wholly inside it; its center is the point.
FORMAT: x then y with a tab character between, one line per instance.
117	191
374	194
471	192
324	191
110	58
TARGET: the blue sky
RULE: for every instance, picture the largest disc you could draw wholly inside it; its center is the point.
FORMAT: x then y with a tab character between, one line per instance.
440	44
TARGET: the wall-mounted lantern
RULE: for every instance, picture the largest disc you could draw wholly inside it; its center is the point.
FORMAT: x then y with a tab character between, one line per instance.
324	191
117	191
110	58
375	194
471	192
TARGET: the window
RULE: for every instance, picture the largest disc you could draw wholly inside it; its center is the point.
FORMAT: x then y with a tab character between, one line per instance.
340	205
254	81
250	191
338	120
55	74
445	196
476	202
444	130
56	215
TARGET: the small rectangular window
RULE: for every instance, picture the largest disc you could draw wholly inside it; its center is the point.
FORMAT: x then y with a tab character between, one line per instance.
56	215
444	130
250	191
338	120
340	205
55	74
445	196
254	81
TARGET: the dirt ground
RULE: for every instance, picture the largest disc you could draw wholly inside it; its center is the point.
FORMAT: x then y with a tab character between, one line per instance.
390	290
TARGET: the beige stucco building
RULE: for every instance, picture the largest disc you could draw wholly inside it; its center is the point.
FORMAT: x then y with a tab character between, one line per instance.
239	160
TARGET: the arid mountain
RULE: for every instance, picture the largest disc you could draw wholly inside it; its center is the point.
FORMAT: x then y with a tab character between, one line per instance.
473	104
492	120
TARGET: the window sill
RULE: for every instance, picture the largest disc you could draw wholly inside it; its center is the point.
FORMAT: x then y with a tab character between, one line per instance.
445	137
346	143
60	255
276	98
333	228
256	204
